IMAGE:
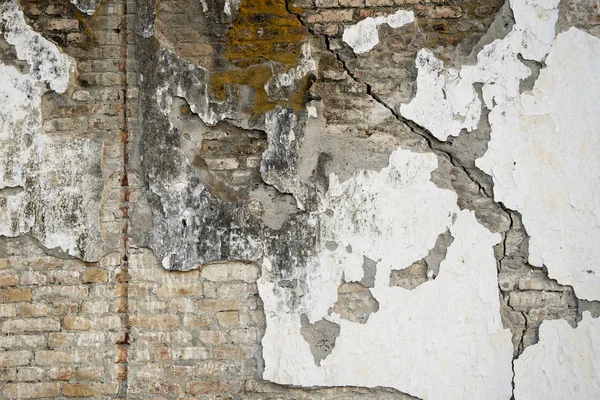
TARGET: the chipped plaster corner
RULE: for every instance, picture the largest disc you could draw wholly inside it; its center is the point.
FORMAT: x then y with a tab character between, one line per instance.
543	156
564	364
86	6
364	35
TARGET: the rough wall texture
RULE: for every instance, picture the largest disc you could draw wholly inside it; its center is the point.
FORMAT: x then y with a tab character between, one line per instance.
299	199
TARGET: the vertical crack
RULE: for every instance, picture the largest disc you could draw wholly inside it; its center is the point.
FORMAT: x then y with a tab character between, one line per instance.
123	280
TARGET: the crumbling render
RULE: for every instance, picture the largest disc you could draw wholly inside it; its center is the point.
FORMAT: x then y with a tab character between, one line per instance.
393	216
50	206
543	157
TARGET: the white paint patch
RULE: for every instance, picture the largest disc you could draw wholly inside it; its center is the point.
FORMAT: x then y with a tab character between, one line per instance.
442	340
87	6
544	156
446	102
45	174
364	35
564	364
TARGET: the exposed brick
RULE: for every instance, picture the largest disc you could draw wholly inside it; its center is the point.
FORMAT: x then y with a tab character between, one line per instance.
75	293
89	390
52	357
31	325
220	305
14	358
439	12
20	341
31	390
222	163
89	374
228	318
95	275
34	310
77	323
58	340
14	295
206	387
162	321
352	3
230	272
30	374
180	289
60	373
211	336
64	277
8	310
67	25
33	278
9	279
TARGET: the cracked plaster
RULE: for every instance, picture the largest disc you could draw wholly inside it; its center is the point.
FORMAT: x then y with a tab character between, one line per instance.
450	342
363	36
543	156
564	364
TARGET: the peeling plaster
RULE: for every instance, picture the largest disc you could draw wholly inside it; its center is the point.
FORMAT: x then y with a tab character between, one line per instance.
528	152
564	364
544	158
446	102
395	336
284	83
449	343
51	171
363	36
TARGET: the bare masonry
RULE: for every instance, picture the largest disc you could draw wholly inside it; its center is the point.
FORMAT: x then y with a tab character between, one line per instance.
299	199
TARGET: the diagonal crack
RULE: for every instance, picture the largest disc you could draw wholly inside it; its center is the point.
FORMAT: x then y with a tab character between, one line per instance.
432	142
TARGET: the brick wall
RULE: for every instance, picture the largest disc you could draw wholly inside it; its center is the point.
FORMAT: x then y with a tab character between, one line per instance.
59	323
126	328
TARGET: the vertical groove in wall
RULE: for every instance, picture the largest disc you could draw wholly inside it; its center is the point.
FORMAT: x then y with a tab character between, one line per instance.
123	339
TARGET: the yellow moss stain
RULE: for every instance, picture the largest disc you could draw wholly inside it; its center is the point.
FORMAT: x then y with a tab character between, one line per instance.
262	31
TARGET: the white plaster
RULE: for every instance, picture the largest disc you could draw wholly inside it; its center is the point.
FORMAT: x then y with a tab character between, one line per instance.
446	103
564	364
544	157
442	340
44	174
364	35
543	153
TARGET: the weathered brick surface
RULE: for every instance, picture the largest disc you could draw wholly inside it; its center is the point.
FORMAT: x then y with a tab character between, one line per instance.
59	323
74	329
